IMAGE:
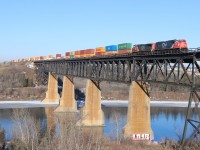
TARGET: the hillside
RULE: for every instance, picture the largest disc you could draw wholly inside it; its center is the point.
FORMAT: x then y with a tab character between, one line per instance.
17	82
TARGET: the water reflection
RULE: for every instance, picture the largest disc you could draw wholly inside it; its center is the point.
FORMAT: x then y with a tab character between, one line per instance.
165	122
50	120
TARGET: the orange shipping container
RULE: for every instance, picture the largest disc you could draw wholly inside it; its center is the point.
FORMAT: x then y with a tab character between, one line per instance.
77	53
111	52
50	56
100	53
89	51
89	55
43	57
124	51
100	49
67	56
77	56
82	53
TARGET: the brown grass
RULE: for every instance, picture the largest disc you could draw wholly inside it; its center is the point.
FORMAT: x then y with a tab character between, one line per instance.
27	135
2	137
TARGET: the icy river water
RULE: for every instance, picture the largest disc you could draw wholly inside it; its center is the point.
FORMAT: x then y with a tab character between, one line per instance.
166	122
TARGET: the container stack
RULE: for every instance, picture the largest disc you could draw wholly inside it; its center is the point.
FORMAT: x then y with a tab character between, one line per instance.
67	55
72	54
100	51
124	48
111	50
89	52
43	57
50	57
77	54
58	56
82	53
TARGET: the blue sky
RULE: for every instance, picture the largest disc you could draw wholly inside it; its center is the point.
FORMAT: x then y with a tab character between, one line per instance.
42	27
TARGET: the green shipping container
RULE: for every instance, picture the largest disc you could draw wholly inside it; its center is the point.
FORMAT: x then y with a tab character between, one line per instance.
124	46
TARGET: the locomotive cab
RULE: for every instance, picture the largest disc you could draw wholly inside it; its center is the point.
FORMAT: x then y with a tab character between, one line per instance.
180	44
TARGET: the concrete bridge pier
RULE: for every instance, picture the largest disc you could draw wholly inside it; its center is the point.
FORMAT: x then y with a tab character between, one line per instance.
67	102
138	118
92	112
52	91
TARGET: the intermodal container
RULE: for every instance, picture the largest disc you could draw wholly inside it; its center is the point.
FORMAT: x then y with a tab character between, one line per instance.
67	54
82	53
58	56
72	53
125	46
71	56
67	57
89	51
111	52
77	52
111	48
50	56
77	56
43	57
100	53
124	51
100	49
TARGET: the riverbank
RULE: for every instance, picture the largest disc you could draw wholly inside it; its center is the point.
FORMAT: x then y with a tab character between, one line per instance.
105	103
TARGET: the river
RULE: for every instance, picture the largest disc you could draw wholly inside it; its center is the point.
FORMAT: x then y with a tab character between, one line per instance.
166	122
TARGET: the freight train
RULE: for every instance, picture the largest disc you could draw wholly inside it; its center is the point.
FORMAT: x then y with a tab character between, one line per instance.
162	47
170	46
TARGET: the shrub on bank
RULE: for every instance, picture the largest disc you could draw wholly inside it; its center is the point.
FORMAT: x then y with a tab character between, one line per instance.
62	133
2	137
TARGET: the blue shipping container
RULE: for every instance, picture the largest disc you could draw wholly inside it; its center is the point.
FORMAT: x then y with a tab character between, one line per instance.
71	56
111	48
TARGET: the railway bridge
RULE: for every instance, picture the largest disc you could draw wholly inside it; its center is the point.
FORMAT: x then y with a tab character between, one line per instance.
137	69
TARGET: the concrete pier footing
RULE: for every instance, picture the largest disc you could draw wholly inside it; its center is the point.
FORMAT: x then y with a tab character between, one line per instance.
67	101
92	112
138	118
52	91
